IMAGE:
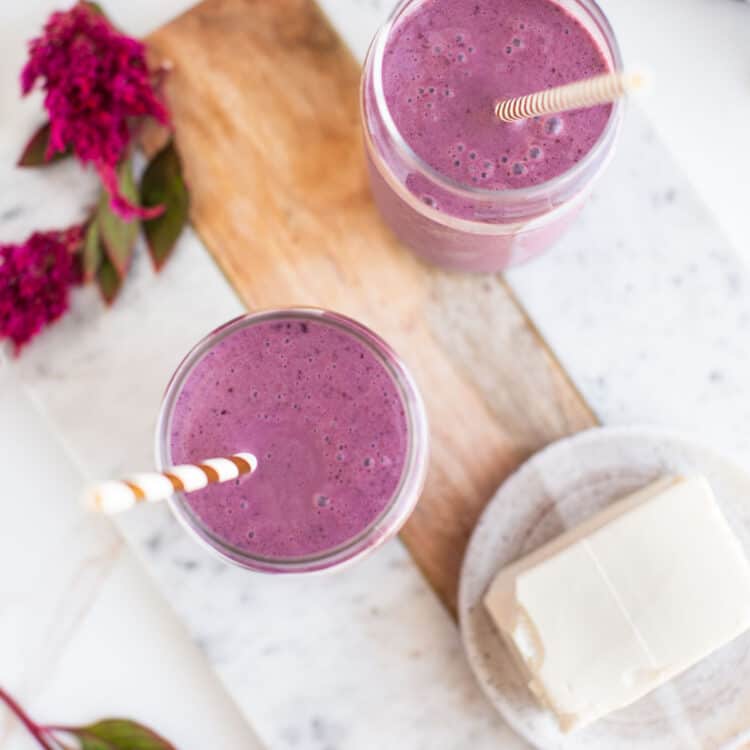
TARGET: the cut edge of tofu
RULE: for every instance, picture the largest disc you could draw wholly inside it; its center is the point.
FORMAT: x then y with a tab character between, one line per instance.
511	618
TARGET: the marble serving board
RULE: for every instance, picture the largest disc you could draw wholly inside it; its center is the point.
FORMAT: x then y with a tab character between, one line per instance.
643	302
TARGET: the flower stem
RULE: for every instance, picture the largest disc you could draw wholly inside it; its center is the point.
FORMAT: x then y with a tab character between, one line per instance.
33	728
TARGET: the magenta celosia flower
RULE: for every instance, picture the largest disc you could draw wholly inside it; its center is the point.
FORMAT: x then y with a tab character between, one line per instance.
97	85
35	278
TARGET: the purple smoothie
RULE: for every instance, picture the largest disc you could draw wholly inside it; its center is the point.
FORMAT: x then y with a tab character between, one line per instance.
322	414
449	61
456	185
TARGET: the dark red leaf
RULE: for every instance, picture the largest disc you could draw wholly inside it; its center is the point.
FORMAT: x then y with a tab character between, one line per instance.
108	280
163	184
93	251
34	152
119	734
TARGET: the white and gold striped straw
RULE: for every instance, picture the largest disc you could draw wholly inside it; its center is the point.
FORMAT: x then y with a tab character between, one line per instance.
117	496
600	89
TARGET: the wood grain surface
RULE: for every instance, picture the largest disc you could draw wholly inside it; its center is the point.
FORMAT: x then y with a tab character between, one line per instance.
264	97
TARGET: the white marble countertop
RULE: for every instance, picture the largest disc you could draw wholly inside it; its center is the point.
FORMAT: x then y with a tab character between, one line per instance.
645	303
83	632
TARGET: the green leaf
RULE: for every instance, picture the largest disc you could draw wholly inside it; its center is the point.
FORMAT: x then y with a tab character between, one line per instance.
34	152
95	7
117	235
119	734
93	251
163	184
108	280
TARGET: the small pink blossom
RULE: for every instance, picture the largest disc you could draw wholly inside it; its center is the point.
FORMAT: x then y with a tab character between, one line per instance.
35	279
97	85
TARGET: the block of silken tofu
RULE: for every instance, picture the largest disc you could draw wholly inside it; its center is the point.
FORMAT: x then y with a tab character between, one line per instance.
622	603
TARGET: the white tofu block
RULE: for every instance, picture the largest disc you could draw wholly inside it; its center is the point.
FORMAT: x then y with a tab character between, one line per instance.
635	595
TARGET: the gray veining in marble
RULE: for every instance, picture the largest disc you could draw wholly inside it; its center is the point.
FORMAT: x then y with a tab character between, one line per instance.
646	304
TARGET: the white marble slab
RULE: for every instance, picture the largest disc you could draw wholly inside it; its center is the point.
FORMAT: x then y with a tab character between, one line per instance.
646	303
698	57
83	633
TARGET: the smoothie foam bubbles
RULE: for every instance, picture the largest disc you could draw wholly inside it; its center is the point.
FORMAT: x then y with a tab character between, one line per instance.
457	185
335	421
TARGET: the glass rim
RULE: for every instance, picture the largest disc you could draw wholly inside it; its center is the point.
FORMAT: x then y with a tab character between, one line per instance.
404	497
374	59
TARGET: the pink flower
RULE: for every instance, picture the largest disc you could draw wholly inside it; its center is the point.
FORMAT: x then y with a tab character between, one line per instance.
35	278
97	85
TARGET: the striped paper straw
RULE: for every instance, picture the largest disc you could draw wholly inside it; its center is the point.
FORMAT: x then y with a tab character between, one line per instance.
117	496
587	93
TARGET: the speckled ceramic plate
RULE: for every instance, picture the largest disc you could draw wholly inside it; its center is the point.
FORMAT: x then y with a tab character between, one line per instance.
708	706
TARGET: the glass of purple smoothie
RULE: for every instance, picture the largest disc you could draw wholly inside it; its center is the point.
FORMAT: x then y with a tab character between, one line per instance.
459	187
335	420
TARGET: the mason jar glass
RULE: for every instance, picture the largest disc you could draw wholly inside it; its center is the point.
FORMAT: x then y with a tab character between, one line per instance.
463	226
396	508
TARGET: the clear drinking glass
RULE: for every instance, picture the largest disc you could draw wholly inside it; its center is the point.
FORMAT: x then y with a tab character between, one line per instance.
505	227
398	508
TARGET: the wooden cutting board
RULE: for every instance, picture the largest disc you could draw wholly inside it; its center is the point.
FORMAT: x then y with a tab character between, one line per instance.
264	97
